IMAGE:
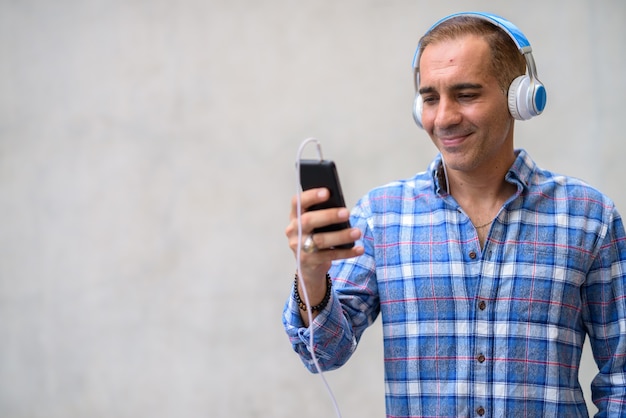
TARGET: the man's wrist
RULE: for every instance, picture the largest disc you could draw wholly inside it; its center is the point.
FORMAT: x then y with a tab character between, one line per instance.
320	306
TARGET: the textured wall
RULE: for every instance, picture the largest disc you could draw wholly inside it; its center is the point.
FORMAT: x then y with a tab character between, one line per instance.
146	166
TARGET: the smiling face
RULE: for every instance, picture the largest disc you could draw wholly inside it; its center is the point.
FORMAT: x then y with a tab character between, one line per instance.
465	111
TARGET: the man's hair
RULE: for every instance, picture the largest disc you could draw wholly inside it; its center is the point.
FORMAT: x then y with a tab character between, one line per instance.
507	62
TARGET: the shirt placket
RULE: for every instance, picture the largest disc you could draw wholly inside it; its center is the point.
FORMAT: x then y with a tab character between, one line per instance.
481	267
483	336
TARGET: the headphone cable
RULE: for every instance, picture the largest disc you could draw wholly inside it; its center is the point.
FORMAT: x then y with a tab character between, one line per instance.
299	269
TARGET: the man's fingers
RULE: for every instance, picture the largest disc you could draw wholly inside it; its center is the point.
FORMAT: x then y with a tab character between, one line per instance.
309	198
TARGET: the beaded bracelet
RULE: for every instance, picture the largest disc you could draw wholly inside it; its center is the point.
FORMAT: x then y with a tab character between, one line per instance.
320	305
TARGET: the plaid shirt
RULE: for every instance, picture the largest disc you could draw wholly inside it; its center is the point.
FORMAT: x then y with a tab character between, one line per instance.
494	332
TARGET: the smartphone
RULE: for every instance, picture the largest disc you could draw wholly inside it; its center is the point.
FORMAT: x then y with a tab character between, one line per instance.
323	173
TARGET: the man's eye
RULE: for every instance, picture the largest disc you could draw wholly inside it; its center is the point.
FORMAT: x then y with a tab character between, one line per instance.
428	99
467	96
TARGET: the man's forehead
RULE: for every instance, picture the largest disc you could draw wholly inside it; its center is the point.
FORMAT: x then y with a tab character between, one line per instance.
466	51
474	44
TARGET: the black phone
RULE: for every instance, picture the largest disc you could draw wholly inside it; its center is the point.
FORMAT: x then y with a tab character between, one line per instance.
323	173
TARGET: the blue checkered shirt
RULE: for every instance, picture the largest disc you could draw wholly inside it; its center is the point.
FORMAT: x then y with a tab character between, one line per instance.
494	332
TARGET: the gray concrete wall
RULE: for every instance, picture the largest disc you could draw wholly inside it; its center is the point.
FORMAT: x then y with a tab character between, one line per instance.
146	166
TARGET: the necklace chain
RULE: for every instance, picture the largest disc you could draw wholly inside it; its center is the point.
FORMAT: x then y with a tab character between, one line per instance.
483	225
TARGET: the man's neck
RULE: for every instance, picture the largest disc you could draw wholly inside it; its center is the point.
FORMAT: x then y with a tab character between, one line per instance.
481	194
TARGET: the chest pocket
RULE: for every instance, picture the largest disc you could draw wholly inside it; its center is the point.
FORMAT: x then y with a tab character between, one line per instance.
541	284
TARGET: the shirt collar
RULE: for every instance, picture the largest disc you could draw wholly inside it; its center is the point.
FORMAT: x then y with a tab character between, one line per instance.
522	170
519	174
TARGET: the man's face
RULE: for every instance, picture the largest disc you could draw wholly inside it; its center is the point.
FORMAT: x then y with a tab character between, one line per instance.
465	111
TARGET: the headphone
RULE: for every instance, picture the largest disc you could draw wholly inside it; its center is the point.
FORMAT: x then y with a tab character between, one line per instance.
526	96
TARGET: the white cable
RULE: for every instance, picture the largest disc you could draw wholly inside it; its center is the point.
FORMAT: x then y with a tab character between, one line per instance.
302	286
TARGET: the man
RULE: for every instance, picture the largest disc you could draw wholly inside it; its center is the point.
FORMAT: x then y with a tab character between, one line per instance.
488	272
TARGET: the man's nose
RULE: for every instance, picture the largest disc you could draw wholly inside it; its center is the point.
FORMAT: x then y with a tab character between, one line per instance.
448	113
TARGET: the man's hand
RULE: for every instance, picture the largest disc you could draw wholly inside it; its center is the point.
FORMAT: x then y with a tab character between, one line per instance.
314	265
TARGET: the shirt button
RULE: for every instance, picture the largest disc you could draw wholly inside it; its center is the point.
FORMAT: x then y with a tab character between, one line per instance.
472	254
480	411
482	305
480	358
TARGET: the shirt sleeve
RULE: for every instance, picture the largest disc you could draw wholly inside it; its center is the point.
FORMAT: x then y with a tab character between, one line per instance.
333	339
353	306
604	313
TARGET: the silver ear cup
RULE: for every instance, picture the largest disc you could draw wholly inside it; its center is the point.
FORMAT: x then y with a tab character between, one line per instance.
417	110
526	98
518	92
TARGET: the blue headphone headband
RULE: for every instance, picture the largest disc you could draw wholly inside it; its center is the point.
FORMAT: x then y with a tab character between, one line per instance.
526	96
513	31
